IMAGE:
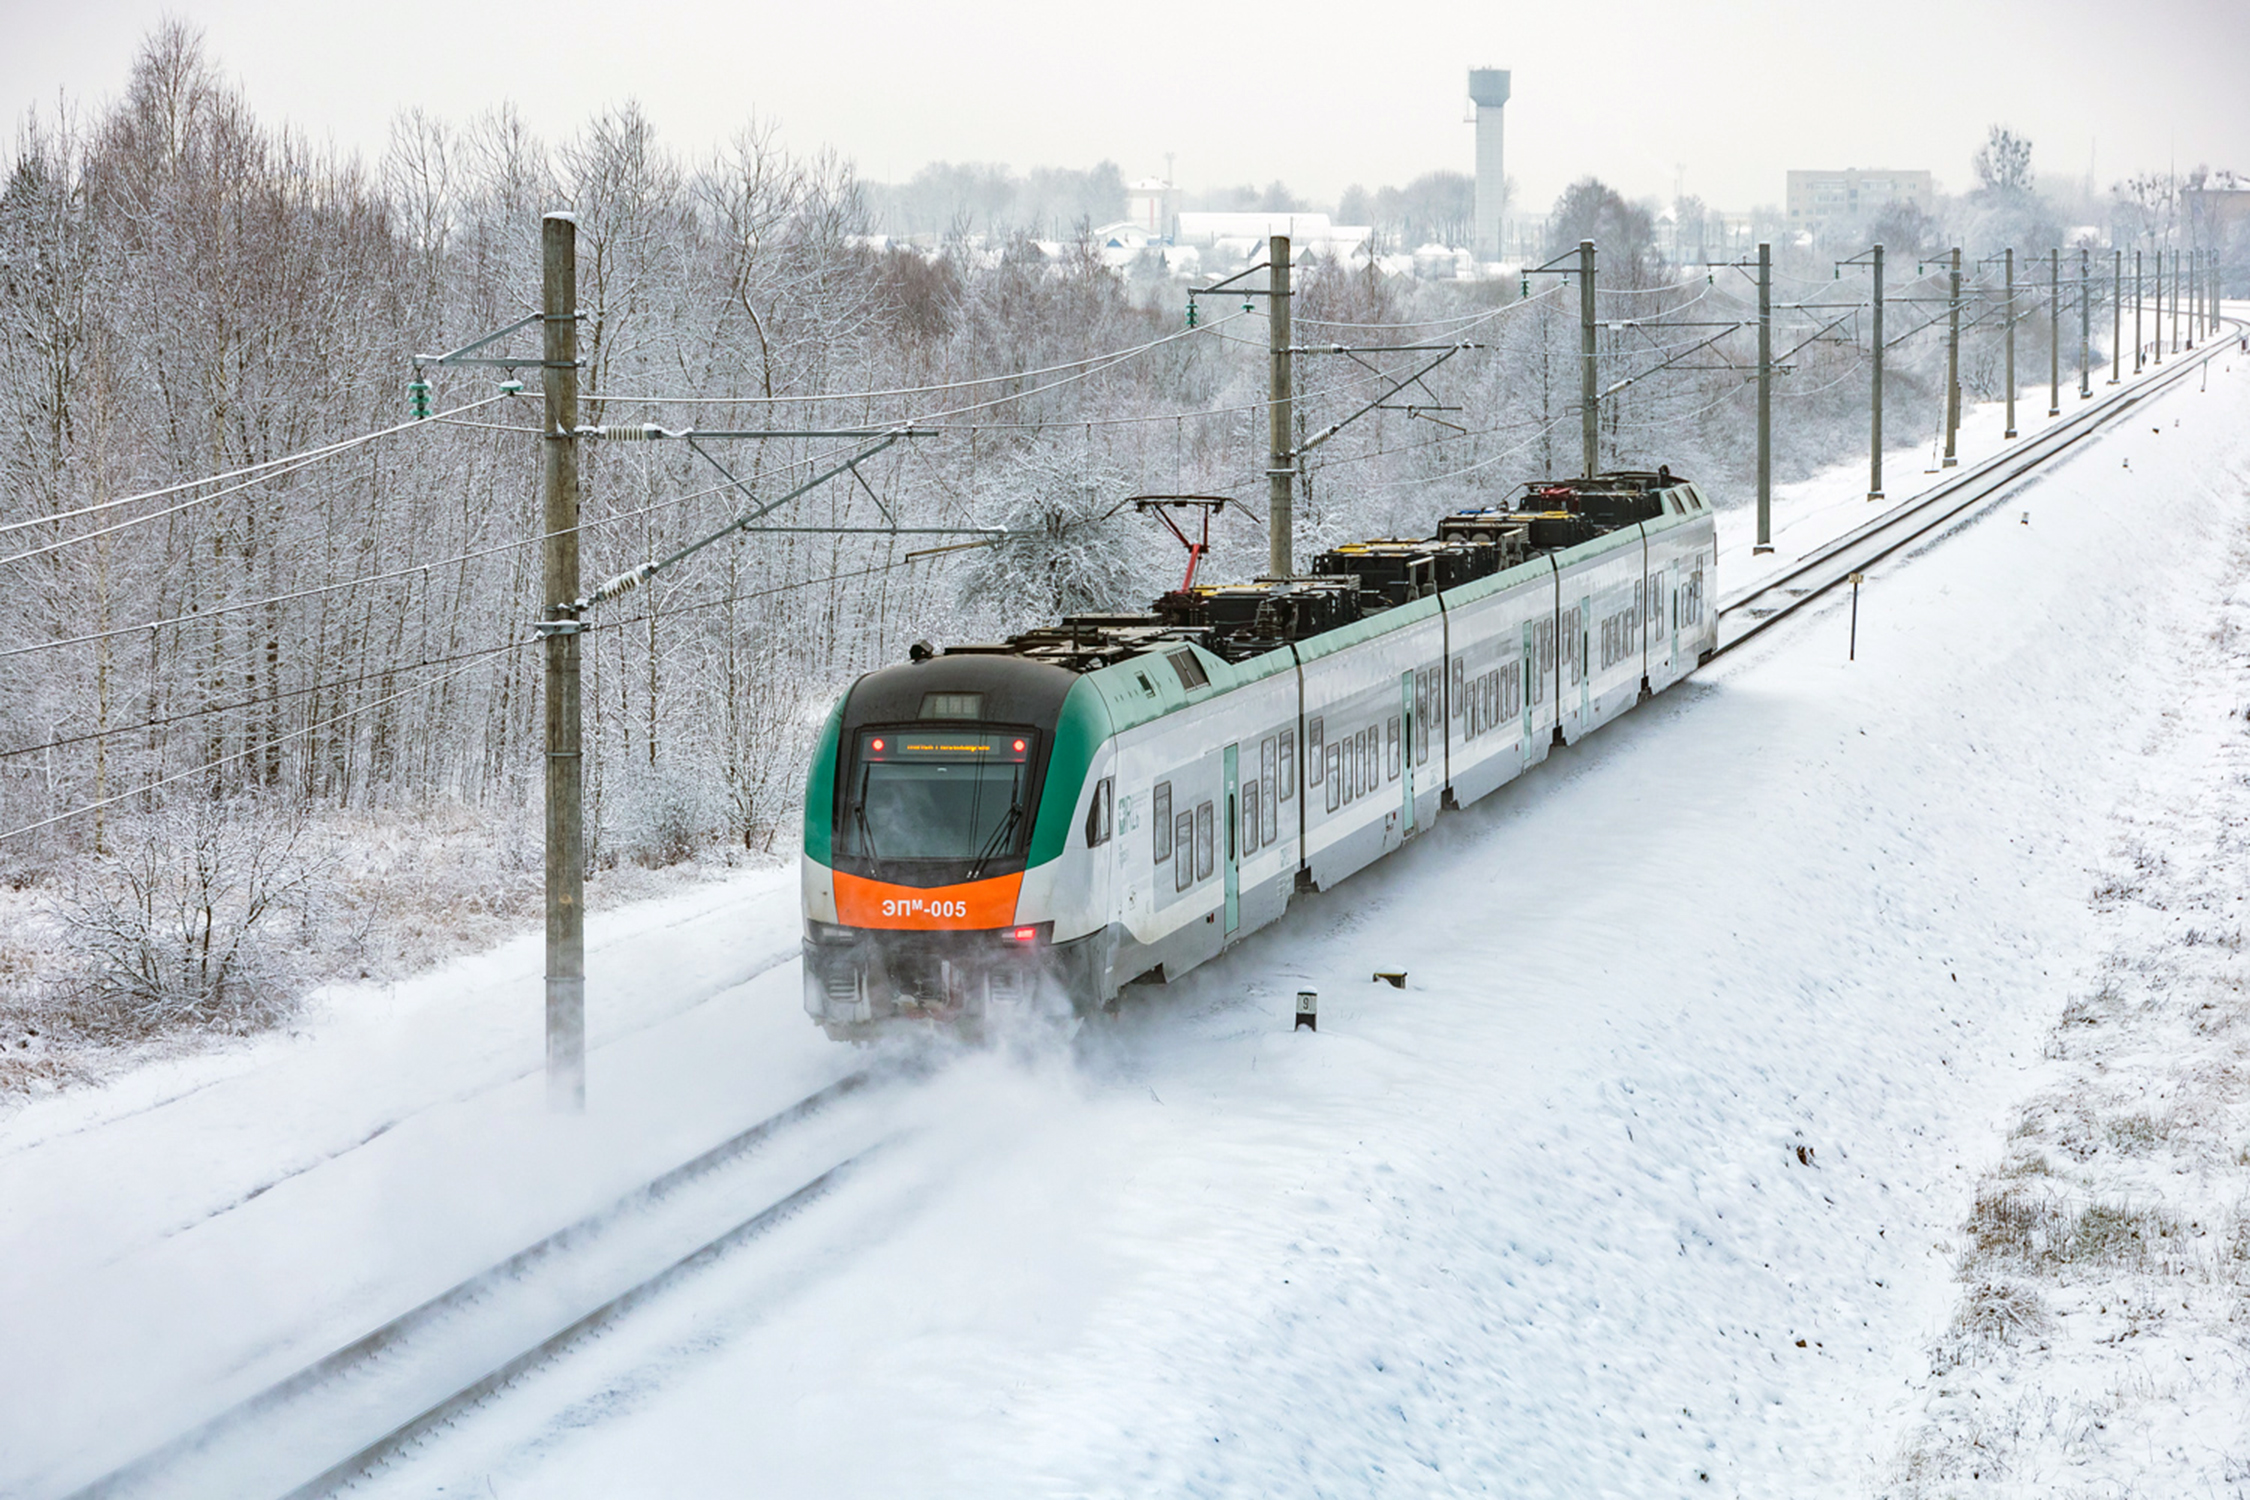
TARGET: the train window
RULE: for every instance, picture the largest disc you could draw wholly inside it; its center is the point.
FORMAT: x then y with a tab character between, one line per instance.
1335	777
1253	824
1269	785
1205	840
1160	818
1288	764
1367	773
1098	814
1191	671
1183	851
1390	749
1425	714
1314	744
952	706
1460	671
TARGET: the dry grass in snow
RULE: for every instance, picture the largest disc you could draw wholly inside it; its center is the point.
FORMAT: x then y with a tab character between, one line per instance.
2101	1345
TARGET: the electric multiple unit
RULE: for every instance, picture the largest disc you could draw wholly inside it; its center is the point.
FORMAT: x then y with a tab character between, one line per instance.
1120	797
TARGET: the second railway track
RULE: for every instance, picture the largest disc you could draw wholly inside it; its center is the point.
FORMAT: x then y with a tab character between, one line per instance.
351	1410
1748	613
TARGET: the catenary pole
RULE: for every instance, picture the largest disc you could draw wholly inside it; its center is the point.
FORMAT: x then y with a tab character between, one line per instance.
566	826
2202	322
1589	404
2085	324
2008	322
2140	291
2116	316
2175	302
2187	281
1953	362
1765	398
2054	333
1875	400
2156	313
1281	418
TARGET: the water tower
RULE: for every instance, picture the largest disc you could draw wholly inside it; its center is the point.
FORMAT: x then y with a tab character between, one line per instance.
1488	90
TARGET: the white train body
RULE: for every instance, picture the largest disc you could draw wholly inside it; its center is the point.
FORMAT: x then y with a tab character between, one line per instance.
1185	798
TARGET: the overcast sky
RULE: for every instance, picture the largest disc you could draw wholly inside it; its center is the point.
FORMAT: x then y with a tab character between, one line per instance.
1721	97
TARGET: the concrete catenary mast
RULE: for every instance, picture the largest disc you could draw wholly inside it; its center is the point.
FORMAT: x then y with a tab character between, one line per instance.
1488	90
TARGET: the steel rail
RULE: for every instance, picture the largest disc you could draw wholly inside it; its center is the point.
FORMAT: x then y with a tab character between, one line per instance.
1831	564
242	1418
468	1396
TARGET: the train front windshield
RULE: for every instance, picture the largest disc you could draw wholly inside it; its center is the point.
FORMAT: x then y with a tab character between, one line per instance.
961	797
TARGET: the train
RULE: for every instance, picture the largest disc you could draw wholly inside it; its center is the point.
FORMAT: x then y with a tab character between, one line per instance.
1118	798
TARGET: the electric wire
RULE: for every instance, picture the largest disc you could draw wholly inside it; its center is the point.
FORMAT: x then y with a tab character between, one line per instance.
912	390
288	462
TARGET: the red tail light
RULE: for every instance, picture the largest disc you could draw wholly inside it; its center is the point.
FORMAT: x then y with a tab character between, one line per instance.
1023	935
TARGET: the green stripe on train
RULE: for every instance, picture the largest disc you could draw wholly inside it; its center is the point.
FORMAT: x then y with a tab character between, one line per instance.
1080	731
820	788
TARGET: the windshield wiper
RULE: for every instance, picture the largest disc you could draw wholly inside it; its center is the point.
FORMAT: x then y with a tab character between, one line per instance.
999	836
866	834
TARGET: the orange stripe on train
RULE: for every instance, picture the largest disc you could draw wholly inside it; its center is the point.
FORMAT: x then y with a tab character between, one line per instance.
976	904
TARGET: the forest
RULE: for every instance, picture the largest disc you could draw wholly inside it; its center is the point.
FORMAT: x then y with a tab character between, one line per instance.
267	675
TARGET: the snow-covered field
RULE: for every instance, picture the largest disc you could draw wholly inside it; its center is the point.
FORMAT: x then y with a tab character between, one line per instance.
1652	1181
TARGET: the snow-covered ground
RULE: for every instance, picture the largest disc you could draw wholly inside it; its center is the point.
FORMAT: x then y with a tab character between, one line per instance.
1651	1181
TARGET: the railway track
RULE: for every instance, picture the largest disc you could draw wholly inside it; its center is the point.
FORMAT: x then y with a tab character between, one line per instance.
1747	614
349	1411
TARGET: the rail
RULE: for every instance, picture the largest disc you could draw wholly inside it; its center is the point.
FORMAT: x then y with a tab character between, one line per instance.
1750	612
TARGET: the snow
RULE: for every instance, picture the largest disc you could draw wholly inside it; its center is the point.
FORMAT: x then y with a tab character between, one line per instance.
1651	1181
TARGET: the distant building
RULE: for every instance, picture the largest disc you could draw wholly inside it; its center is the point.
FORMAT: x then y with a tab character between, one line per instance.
1121	243
1154	205
1818	199
1308	233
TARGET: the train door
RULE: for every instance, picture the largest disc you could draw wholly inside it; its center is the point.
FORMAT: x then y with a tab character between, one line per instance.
1578	644
1672	598
1526	667
1406	745
1233	851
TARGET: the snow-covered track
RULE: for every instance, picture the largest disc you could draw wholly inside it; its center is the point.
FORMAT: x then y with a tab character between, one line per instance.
1830	565
350	1410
